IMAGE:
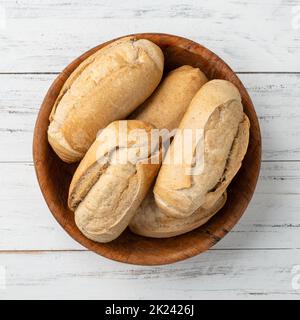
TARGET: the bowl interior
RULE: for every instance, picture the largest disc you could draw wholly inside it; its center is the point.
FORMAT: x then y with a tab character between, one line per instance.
55	176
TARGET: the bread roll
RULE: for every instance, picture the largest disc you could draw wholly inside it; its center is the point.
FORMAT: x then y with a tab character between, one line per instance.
165	109
107	86
113	179
216	110
150	221
167	105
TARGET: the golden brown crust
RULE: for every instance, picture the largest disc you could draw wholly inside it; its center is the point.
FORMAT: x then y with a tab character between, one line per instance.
150	221
65	154
105	195
167	105
238	150
217	110
107	86
76	73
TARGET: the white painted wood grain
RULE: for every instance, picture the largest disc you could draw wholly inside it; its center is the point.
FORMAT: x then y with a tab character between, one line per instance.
250	35
255	259
275	96
219	274
25	220
271	221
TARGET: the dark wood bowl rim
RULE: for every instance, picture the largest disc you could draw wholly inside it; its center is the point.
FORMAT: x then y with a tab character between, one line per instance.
213	232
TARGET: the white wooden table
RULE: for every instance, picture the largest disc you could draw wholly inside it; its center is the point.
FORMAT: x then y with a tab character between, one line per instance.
260	257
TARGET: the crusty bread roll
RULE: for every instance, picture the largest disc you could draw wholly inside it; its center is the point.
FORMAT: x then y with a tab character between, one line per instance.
216	110
107	86
167	105
113	179
150	221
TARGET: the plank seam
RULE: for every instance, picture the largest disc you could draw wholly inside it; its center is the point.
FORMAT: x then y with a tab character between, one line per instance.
85	250
31	162
237	72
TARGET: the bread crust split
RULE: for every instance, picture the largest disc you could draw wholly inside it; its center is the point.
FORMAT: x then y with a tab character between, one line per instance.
151	221
106	195
218	111
105	87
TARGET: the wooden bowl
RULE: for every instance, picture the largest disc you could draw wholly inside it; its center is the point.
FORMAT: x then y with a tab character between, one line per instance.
54	176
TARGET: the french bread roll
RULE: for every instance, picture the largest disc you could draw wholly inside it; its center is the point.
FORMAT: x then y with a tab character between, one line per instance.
107	86
151	221
217	111
113	179
167	105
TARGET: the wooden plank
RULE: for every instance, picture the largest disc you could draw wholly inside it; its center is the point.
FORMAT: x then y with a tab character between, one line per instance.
20	100
26	222
271	221
277	102
275	96
257	258
236	274
249	35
